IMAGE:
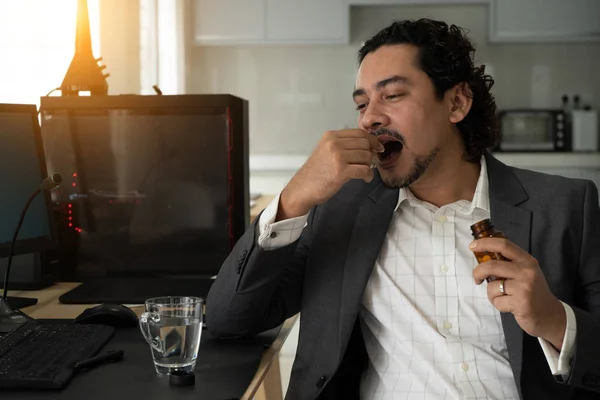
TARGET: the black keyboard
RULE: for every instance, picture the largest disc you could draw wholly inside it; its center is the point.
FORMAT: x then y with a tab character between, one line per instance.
42	355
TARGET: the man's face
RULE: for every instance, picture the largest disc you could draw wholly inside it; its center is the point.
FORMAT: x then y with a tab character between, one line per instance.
397	102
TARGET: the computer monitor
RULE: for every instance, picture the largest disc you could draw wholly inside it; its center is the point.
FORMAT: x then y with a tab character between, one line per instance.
22	170
153	185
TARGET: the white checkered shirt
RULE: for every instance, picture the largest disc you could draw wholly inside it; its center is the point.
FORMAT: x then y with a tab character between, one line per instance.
430	332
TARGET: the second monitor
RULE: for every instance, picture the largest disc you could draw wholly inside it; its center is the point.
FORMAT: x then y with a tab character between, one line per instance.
154	185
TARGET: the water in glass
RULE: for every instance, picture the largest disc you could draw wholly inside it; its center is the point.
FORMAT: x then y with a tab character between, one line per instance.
173	328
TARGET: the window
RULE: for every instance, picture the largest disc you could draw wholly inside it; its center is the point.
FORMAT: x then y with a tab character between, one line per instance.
162	53
37	43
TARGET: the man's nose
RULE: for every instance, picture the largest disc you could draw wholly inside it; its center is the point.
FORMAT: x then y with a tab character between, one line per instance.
374	118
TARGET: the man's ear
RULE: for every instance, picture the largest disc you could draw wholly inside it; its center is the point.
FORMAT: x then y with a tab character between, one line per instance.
460	101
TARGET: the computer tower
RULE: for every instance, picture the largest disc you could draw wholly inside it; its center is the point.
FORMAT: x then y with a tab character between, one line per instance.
154	186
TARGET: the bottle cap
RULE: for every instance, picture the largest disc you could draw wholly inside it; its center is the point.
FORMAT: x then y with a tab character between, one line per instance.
182	378
481	226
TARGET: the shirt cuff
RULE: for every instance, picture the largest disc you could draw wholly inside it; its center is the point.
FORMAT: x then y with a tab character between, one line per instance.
273	235
560	363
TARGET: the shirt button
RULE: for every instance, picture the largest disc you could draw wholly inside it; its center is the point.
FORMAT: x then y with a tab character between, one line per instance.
321	381
273	235
442	218
464	366
447	325
444	268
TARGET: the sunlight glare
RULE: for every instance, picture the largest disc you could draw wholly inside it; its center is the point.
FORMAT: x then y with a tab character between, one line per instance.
37	43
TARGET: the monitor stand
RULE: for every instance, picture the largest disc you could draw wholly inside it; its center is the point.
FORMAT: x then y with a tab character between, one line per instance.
125	290
11	319
17	303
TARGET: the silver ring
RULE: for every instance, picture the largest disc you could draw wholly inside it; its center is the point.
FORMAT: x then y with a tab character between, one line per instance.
502	282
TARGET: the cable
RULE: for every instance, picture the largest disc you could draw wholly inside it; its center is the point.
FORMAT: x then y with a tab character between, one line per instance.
48	94
52	91
14	239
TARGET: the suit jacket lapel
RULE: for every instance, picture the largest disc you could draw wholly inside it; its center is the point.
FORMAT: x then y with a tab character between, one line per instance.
369	231
506	193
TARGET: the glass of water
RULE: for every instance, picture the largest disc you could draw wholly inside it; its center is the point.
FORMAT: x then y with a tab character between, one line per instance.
172	326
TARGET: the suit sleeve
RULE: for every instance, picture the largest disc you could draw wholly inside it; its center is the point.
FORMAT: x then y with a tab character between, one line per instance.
258	288
585	368
273	235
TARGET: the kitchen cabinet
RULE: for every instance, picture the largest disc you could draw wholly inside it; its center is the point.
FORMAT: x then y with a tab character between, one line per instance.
413	2
265	22
544	20
227	22
307	21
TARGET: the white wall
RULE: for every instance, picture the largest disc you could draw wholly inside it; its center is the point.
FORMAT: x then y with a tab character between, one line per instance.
120	45
298	92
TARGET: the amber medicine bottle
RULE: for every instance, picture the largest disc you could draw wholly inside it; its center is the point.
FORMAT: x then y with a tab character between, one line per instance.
482	229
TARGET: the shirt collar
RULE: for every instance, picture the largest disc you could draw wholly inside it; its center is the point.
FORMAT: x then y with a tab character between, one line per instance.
481	198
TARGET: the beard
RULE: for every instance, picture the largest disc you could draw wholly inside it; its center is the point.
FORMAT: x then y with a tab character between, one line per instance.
418	169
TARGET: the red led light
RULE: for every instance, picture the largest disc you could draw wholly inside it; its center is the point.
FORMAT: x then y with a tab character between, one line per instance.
70	225
73	184
74	174
70	218
70	212
70	205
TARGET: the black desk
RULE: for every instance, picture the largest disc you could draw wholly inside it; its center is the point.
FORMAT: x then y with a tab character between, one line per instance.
266	384
224	370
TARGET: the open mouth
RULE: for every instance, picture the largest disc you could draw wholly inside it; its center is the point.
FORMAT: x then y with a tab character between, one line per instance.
393	148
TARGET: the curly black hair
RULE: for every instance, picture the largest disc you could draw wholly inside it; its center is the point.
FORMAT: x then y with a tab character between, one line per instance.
446	56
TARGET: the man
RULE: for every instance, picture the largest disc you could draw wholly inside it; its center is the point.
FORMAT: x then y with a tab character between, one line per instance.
380	262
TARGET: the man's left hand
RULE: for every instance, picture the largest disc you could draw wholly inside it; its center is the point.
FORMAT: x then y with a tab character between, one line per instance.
526	294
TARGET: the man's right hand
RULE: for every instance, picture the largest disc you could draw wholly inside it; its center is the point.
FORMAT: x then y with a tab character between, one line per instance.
339	156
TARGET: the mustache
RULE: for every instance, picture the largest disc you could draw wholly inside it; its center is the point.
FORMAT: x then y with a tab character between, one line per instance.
387	132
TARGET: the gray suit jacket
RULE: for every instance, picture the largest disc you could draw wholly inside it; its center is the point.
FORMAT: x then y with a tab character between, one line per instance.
324	273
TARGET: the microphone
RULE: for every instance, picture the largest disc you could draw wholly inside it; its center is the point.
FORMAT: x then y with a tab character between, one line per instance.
10	319
51	182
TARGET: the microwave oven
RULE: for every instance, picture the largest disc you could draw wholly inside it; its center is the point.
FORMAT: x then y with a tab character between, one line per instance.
534	130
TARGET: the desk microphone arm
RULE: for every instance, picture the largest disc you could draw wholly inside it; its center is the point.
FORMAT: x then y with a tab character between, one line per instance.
10	319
